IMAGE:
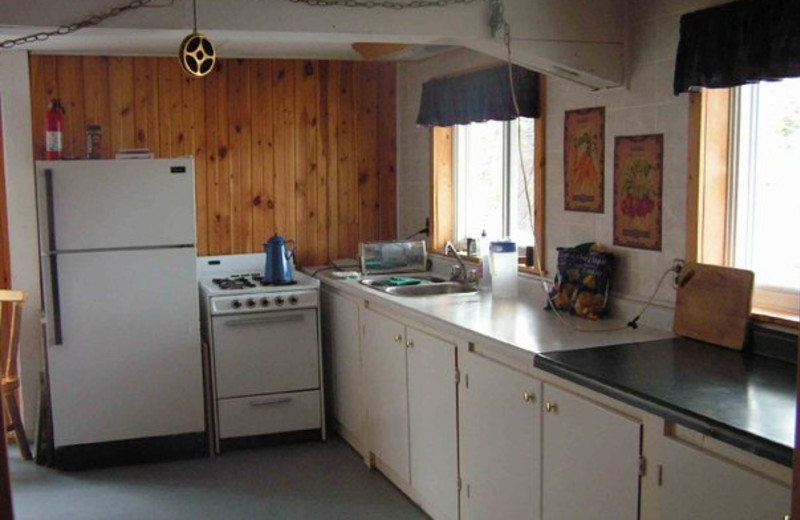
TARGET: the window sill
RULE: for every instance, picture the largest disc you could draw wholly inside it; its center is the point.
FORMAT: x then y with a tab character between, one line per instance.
785	319
521	267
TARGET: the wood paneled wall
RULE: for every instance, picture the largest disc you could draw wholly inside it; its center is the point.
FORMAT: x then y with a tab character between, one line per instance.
303	148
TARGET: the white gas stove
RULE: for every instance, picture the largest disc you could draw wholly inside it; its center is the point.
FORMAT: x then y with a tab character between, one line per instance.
264	363
234	284
241	293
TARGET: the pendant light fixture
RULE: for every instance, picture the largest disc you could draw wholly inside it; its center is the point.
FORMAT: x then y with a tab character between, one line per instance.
197	54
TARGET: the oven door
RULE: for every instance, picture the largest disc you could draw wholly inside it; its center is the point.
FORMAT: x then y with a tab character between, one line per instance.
266	353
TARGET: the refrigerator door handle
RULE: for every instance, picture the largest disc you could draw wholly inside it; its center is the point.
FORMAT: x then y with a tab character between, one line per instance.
51	244
57	333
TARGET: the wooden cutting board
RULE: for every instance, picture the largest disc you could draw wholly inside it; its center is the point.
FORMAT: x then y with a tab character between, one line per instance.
713	304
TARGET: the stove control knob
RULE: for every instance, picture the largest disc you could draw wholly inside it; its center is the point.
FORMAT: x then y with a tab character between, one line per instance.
278	300
251	302
264	302
236	304
292	300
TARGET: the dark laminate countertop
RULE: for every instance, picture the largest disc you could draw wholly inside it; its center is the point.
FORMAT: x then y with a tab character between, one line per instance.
743	399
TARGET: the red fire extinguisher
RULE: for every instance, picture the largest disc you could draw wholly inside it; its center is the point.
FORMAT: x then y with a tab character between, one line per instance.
53	134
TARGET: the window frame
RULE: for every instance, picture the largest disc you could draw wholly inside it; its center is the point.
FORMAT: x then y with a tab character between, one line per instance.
708	190
443	202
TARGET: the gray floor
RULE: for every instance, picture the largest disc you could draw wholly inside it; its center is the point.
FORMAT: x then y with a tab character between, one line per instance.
307	481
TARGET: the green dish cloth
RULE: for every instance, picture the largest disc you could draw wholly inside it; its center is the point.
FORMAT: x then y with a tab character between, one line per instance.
395	281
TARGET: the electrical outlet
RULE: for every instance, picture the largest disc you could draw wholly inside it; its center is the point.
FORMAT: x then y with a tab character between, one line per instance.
677	267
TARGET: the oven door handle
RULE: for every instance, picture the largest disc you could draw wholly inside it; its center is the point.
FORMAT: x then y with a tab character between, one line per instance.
260	320
269	401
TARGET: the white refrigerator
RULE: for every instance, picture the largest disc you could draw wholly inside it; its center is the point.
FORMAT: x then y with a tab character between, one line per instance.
118	263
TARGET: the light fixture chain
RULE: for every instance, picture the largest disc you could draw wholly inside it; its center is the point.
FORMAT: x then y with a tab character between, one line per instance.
388	4
76	26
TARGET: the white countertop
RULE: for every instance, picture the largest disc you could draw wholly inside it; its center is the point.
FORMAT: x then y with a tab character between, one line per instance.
520	326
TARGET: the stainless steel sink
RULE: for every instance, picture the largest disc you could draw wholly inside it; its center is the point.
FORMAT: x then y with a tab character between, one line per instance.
418	285
433	289
383	282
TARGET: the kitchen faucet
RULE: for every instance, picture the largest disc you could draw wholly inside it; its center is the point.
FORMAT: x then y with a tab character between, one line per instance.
460	274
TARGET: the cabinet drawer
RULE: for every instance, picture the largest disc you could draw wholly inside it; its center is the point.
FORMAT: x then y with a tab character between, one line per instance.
274	413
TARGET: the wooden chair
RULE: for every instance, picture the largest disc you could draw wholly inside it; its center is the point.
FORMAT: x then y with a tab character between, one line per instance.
10	320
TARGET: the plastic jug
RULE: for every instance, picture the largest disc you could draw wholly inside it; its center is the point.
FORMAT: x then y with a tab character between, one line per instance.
503	267
278	268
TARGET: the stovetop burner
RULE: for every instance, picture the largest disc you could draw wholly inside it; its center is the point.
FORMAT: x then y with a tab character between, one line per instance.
247	281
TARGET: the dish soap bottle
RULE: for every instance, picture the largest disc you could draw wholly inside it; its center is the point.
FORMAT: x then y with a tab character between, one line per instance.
483	248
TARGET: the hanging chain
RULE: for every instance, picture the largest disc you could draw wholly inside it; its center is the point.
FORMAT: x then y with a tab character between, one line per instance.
388	4
63	30
498	23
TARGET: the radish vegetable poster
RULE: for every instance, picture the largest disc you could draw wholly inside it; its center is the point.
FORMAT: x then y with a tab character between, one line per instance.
638	181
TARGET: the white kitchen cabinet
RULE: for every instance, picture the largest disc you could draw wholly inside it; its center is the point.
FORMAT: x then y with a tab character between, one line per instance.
410	384
384	348
590	460
523	449
500	441
433	422
697	484
341	338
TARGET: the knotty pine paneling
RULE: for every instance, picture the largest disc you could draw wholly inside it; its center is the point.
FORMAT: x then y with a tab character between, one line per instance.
366	91
302	148
387	151
347	215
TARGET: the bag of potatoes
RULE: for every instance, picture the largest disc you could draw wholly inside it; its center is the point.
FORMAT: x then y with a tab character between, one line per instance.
583	280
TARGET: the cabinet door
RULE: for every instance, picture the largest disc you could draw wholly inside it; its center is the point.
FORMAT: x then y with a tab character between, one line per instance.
696	484
343	356
433	428
500	439
590	460
385	386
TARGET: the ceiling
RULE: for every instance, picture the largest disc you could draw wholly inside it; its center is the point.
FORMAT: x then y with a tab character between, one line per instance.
228	44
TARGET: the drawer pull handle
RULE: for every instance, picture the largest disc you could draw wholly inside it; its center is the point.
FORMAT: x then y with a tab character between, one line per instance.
398	338
270	401
550	407
410	344
528	397
260	320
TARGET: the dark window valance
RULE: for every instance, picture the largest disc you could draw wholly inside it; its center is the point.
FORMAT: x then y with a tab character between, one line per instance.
478	96
738	43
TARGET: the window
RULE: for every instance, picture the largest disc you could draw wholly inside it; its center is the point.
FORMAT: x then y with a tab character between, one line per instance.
451	220
490	186
764	190
743	205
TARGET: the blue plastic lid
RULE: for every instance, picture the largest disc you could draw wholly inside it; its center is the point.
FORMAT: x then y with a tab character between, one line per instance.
503	247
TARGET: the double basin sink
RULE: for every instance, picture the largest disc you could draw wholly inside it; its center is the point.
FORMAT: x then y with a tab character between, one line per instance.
418	285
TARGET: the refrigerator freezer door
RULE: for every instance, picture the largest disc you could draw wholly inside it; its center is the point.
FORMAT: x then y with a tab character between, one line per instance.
111	204
130	362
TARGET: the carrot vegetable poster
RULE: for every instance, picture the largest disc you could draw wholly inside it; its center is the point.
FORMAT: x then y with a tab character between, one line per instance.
638	180
584	159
